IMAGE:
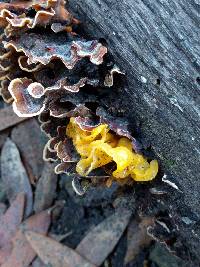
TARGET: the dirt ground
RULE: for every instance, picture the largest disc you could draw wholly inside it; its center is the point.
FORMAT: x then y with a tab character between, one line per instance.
73	217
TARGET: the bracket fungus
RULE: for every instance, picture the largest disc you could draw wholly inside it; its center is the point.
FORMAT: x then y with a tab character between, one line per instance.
48	69
39	45
19	16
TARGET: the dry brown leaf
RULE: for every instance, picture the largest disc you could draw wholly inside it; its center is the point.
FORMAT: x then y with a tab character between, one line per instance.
55	254
23	254
102	239
60	238
8	118
137	237
38	263
10	221
3	136
5	253
58	208
46	188
29	139
2	208
14	176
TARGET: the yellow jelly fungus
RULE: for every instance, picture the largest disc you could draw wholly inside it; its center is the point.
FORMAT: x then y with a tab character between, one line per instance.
100	147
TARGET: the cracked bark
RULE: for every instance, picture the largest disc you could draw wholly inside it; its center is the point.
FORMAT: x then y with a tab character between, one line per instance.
157	44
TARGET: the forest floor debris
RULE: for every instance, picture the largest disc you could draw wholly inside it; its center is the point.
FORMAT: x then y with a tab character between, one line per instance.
41	215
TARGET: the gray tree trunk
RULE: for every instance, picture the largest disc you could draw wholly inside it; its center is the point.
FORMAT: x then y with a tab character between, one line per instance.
157	44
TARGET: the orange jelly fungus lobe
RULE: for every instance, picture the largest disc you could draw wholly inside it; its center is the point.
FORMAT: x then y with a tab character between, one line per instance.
99	147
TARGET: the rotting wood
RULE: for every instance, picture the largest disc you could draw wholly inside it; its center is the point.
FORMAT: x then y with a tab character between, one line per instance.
159	51
157	44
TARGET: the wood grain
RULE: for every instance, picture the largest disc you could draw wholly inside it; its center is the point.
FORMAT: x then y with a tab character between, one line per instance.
157	41
157	44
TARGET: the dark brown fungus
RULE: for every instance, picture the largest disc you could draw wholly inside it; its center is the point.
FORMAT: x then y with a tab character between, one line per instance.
23	64
42	48
49	59
47	69
32	62
14	17
26	95
109	78
119	126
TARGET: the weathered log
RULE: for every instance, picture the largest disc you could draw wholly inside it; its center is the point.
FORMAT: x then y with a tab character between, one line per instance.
157	44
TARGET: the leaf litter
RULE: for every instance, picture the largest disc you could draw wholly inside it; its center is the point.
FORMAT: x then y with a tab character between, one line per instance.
17	184
14	175
8	118
137	237
46	188
15	250
2	208
55	254
9	223
22	253
97	244
102	239
30	142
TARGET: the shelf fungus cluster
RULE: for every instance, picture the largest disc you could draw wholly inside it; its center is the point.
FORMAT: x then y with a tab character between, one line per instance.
48	69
